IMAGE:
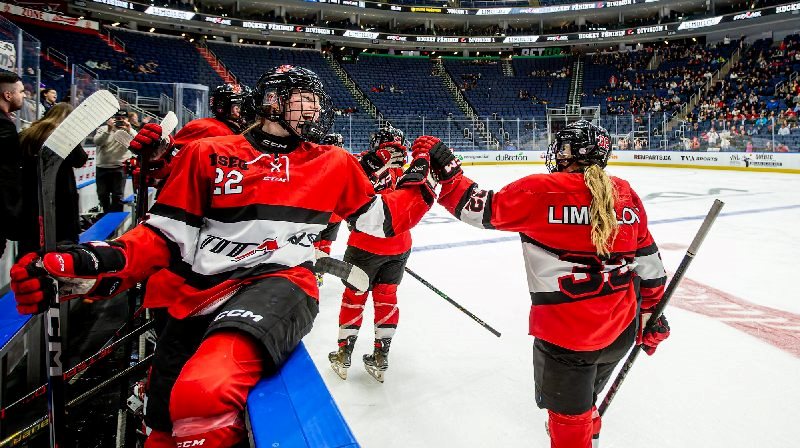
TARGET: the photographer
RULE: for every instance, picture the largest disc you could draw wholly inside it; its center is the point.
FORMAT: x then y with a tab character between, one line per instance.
110	162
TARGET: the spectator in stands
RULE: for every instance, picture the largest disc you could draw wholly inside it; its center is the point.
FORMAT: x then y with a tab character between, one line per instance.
28	113
12	96
133	119
67	210
712	137
48	96
111	156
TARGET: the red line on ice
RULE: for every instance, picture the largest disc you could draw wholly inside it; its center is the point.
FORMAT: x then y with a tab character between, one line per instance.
776	327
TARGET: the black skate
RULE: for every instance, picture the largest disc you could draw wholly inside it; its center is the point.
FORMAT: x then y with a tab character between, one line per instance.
377	363
340	359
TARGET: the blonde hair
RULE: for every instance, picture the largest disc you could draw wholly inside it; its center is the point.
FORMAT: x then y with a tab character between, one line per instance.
32	138
602	214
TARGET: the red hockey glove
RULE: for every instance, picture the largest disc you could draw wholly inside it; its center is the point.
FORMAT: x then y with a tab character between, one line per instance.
80	269
147	140
444	164
388	155
652	336
419	174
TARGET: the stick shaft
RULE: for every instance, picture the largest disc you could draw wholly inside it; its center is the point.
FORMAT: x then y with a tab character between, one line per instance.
453	302
659	309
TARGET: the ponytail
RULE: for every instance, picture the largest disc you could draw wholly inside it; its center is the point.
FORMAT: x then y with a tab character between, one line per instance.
603	217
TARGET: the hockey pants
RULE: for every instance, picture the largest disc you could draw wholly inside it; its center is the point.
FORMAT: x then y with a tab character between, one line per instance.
209	396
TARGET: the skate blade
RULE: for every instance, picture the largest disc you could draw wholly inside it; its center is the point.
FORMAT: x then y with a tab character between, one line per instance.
375	373
340	369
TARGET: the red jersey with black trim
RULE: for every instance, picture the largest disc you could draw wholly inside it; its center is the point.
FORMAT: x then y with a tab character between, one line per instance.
230	214
579	301
201	128
394	245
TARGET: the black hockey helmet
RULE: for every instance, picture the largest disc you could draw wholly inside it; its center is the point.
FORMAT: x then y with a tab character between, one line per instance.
222	100
580	142
275	88
334	139
387	134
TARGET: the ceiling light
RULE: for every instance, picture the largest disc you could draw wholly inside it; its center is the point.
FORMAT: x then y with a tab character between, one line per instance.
183	34
294	44
115	24
241	40
152	29
341	49
191	40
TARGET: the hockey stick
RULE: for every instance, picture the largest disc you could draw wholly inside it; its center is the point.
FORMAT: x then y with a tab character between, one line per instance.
353	275
671	287
453	302
31	430
78	369
70	133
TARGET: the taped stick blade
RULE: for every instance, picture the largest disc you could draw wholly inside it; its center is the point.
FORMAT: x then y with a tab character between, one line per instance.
81	122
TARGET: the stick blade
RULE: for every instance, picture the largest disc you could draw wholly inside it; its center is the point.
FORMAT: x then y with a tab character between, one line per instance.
353	275
168	124
81	122
123	138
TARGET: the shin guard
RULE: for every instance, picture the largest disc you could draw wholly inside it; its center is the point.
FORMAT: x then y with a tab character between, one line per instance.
351	313
570	431
387	314
209	396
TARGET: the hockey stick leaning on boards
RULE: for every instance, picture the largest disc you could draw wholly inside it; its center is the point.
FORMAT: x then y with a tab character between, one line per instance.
671	287
453	302
70	133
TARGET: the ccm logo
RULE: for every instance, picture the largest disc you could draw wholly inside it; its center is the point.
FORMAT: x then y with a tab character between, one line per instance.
191	443
238	313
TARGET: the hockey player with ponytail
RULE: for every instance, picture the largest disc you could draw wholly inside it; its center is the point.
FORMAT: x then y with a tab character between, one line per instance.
231	238
593	269
383	259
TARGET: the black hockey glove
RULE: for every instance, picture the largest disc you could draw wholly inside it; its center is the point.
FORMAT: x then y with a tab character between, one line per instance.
388	155
419	174
444	164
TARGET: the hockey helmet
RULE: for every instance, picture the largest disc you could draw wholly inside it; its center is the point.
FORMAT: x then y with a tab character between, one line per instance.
580	142
274	90
334	139
386	134
222	100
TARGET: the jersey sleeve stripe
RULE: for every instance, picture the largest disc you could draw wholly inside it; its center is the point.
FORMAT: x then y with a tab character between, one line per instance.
388	230
487	211
201	281
654	283
462	202
647	250
254	212
372	218
650	267
182	234
177	214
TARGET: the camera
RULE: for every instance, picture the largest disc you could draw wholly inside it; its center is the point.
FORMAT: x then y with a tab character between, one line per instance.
119	123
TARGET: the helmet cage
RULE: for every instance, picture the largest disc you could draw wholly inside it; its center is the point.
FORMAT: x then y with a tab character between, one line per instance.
274	92
386	134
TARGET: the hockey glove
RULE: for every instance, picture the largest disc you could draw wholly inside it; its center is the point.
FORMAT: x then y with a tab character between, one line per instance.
652	336
147	140
80	269
388	155
444	163
419	174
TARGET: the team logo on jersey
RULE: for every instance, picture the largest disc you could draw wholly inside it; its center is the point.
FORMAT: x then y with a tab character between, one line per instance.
269	245
278	170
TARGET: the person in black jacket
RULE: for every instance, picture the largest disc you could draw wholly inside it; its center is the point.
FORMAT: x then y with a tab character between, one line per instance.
67	209
11	98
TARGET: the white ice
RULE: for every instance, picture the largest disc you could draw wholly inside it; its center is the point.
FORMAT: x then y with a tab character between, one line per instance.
451	383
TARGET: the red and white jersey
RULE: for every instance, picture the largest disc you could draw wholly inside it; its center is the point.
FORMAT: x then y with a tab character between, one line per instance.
395	245
579	301
230	213
201	128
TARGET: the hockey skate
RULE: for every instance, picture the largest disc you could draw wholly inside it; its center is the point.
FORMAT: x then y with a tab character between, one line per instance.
377	363
340	359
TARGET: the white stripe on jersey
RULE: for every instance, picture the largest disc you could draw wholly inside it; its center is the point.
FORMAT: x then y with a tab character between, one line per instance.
372	220
543	268
650	267
182	234
221	247
475	219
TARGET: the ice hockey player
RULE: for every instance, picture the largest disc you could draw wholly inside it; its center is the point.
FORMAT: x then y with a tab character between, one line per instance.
233	109
231	236
383	259
334	139
594	271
